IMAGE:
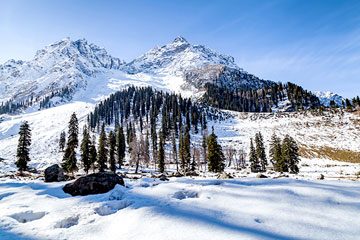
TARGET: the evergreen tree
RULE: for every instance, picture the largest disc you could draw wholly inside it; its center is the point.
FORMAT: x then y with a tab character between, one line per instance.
62	141
276	155
290	154
85	151
260	151
69	159
120	146
146	151
254	160
112	145
102	150
161	154
23	150
175	152
92	153
186	151
215	155
204	144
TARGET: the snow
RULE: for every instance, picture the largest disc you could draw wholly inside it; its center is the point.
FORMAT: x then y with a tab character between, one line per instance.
326	97
185	208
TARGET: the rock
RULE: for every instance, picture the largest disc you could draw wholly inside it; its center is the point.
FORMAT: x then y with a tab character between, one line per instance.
224	175
261	176
162	177
54	173
321	177
176	174
94	183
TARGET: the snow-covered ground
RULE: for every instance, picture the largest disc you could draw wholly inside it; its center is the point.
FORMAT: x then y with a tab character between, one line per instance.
183	208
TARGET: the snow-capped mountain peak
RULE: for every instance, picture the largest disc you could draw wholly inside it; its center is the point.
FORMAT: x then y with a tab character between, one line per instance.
326	97
177	57
60	65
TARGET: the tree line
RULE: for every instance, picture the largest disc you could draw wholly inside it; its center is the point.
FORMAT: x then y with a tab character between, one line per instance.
260	100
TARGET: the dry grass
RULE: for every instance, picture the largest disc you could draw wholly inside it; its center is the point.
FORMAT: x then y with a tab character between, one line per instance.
326	152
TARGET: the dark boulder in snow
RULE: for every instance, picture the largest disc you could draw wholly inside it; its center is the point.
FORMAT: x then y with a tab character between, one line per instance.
224	175
95	183
261	176
321	177
54	173
162	177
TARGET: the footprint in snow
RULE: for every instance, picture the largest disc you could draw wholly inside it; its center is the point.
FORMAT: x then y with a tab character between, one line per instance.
185	194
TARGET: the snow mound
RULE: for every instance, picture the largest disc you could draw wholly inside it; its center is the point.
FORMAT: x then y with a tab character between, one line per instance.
28	216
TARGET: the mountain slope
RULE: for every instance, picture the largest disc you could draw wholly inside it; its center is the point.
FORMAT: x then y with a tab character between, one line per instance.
64	64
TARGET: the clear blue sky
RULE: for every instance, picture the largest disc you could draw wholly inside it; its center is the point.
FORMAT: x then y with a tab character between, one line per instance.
313	43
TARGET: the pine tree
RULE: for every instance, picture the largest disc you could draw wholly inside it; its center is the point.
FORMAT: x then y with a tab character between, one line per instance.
204	145
215	155
276	155
85	151
186	151
102	150
146	151
120	146
260	151
290	154
69	159
23	150
62	141
175	152
254	160
92	153
161	153
112	145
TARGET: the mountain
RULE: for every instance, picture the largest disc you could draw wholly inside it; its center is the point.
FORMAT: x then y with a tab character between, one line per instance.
326	97
67	67
63	64
196	64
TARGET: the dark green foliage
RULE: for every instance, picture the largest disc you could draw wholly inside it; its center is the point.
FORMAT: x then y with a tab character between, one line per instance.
120	146
215	155
260	151
185	151
85	151
112	145
69	159
22	153
62	141
102	150
161	154
92	153
290	154
254	160
175	152
259	100
276	155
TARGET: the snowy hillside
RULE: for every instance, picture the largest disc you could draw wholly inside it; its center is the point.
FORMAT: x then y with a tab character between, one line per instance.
64	64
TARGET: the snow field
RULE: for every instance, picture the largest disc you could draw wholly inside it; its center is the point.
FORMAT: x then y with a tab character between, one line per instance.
184	208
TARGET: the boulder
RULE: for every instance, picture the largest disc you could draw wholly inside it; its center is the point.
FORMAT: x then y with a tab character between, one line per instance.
321	177
94	183
162	177
261	176
224	175
54	173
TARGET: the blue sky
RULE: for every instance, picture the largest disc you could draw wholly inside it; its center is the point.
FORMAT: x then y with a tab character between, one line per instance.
312	43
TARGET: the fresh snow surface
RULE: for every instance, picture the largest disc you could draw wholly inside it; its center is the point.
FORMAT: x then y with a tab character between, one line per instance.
240	208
